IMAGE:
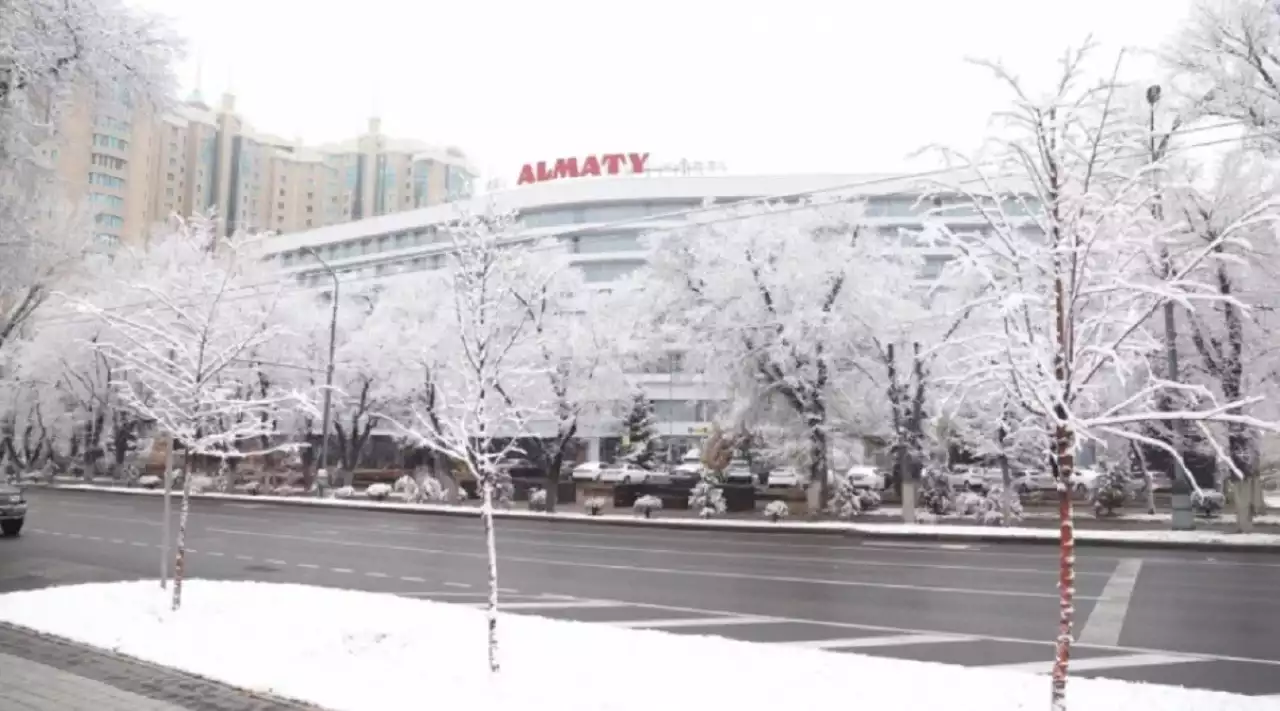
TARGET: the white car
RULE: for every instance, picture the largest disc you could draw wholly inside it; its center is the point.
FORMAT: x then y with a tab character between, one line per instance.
689	468
624	473
966	479
739	472
1027	481
787	478
1083	480
587	471
865	477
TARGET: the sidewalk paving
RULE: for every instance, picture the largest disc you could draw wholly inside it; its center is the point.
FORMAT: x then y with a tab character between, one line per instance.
43	673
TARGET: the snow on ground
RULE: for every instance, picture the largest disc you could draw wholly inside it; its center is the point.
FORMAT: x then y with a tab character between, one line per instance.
926	530
357	651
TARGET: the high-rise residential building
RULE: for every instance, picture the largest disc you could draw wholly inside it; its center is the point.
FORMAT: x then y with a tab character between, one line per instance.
138	167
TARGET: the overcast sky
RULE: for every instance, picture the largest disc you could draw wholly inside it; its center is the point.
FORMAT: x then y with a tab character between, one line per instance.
798	86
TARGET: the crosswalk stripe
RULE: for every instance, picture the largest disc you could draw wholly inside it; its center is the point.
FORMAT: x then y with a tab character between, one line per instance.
692	622
887	641
1095	663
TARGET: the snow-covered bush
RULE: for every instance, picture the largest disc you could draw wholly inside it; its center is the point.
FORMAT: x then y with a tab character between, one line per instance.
1110	494
149	481
433	492
935	494
538	500
407	486
251	488
32	477
646	505
846	500
777	510
1207	502
344	492
987	508
869	500
201	483
594	505
707	498
378	492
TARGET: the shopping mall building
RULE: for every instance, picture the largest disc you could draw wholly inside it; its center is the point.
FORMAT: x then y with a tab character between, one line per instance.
599	206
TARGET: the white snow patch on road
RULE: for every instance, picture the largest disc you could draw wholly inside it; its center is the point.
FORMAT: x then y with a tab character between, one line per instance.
358	651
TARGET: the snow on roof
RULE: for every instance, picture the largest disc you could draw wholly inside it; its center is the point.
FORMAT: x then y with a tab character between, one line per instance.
382	644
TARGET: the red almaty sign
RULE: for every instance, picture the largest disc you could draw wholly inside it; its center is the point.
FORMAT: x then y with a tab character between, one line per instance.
603	164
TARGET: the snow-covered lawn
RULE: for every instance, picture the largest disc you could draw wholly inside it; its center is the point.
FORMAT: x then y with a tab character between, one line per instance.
760	524
357	651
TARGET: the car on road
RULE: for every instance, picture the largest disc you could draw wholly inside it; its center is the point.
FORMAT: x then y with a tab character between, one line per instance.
865	477
587	471
13	509
624	473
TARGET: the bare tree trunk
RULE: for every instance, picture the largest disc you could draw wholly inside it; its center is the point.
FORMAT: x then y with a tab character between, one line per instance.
1066	568
486	515
165	533
179	562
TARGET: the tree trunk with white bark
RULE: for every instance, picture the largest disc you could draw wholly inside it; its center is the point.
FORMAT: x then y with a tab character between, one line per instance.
179	563
486	516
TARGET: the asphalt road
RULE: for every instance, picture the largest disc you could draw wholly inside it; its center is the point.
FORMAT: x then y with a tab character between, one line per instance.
1205	620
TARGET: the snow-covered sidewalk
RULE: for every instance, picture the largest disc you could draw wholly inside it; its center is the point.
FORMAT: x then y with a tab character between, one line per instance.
1212	540
359	651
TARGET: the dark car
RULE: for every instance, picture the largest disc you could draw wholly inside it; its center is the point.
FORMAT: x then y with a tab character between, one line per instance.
13	509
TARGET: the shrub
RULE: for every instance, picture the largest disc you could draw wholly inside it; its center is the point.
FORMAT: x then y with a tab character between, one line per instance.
935	494
646	505
149	481
987	508
777	510
201	484
538	500
846	500
707	498
344	492
407	486
869	500
1110	494
378	492
1207	503
595	505
433	492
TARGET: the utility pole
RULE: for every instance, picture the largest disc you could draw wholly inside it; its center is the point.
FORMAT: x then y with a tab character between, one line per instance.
328	375
1183	519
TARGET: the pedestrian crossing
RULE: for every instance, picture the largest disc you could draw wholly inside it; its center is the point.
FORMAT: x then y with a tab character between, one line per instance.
1262	680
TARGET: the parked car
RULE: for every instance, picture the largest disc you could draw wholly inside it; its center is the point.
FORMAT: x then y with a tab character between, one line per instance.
786	478
13	509
689	469
1084	479
587	471
865	477
1030	480
967	479
739	472
624	473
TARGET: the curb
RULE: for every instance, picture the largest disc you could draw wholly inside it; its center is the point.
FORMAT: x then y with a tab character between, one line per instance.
858	531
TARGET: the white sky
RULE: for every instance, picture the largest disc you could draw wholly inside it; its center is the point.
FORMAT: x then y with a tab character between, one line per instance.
797	86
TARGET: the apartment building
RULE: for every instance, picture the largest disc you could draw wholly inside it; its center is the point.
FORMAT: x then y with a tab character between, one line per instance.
137	167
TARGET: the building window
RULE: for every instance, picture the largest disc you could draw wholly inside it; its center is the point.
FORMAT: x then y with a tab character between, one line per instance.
608	271
105	141
104	220
105	180
616	242
112	201
107	161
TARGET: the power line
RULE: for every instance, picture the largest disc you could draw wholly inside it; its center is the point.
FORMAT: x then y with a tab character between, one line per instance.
280	282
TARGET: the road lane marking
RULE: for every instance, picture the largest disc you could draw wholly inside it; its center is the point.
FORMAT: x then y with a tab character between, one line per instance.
139	544
273	561
216	554
994	592
74	535
552	604
457	585
94	538
414	579
692	622
1122	661
308	566
345	571
1106	621
375	575
118	540
244	557
895	640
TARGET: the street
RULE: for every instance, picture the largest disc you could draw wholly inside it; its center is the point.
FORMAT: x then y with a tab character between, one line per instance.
1204	620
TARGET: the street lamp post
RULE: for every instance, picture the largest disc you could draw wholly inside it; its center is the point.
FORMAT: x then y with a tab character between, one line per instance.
328	374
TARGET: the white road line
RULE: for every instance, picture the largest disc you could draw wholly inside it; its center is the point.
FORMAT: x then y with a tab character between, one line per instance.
215	554
691	572
94	538
456	585
55	533
886	641
118	540
1107	619
375	575
692	622
413	579
1121	661
308	566
139	544
74	535
508	591
272	561
552	604
244	557
341	570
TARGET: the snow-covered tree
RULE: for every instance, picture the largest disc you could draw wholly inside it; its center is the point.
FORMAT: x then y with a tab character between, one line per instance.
180	347
477	414
640	433
1069	286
